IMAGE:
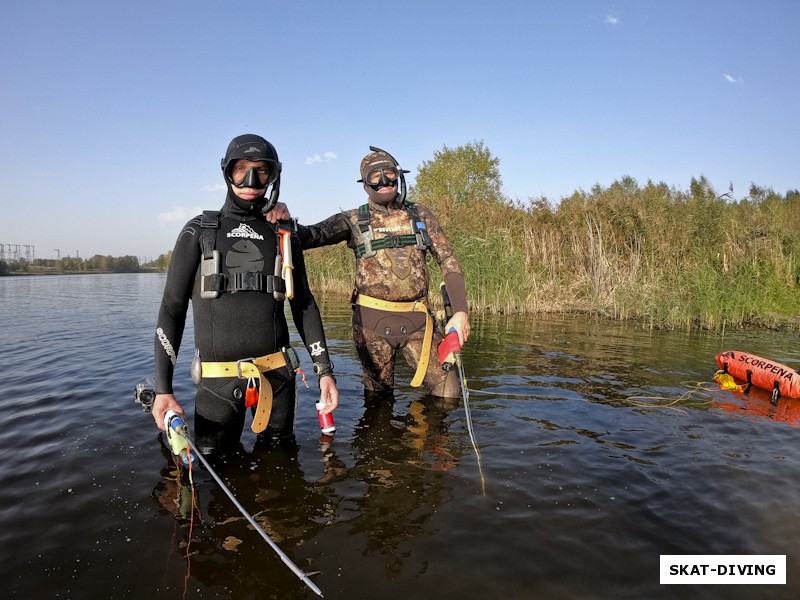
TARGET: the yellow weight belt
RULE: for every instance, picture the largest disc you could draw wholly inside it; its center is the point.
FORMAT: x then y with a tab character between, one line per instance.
415	306
248	368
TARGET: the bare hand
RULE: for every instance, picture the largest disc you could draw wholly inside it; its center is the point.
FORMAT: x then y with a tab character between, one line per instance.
162	404
279	213
460	322
329	394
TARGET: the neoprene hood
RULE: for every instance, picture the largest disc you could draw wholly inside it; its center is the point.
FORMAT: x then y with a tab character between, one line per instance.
377	159
254	148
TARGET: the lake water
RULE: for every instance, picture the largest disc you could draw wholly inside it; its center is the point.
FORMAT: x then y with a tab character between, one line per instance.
595	459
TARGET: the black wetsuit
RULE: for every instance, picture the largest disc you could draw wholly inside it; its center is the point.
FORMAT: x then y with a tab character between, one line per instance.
235	325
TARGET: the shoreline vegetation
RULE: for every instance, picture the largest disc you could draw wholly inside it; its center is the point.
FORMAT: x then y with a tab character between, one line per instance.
74	265
651	254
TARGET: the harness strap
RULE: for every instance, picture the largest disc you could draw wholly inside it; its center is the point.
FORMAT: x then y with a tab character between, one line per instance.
390	241
250	368
210	283
363	218
413	306
244	282
208	223
365	248
423	238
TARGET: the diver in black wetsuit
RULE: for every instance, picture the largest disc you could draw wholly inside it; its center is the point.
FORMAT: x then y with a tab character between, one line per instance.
229	264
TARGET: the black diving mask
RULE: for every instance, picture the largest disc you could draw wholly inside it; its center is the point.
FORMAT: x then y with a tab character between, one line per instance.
383	177
255	177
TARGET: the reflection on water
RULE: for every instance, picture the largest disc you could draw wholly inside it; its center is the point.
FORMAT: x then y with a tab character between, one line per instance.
603	446
387	495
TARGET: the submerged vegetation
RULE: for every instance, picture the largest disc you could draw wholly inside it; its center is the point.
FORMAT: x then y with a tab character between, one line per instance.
667	258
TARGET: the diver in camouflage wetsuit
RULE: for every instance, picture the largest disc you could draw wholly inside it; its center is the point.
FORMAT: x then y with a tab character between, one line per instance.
390	238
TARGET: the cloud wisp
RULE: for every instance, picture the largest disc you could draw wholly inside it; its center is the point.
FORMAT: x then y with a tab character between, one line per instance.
179	214
732	79
321	158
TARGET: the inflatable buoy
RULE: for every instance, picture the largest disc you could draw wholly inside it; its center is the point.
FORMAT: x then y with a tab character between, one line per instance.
761	372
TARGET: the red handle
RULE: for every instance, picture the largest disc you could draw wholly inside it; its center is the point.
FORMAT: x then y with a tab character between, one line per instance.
449	345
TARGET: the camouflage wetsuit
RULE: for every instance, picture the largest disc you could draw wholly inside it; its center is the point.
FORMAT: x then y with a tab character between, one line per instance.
397	274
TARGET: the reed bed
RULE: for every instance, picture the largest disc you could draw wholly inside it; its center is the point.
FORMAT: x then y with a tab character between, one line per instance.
665	258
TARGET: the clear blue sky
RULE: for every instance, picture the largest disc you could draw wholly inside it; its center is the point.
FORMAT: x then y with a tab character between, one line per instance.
114	115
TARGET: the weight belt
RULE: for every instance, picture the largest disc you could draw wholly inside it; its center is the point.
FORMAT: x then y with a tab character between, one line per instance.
414	306
248	368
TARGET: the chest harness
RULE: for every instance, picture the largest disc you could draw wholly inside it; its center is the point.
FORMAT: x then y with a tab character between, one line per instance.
368	247
213	282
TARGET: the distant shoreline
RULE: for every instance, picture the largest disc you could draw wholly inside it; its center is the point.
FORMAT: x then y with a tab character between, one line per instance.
39	272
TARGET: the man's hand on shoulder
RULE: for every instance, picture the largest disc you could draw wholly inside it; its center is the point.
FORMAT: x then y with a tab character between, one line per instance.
279	213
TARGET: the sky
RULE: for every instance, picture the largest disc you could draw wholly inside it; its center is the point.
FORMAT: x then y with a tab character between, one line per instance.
114	115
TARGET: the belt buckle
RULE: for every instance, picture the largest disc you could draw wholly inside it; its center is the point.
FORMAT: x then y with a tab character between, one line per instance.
239	366
248	281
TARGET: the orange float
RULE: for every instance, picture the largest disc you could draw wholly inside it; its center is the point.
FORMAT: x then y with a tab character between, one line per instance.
761	372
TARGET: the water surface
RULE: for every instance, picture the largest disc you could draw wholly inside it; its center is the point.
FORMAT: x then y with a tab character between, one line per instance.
594	465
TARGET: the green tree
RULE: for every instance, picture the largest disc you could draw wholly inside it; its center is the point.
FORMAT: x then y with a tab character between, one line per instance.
463	187
126	264
458	178
162	262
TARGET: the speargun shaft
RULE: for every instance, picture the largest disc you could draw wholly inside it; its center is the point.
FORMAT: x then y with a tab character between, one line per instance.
181	429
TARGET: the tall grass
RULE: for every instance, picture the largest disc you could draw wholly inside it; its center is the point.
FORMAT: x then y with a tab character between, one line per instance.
664	257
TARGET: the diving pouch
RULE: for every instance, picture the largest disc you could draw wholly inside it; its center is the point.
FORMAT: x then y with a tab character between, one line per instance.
209	271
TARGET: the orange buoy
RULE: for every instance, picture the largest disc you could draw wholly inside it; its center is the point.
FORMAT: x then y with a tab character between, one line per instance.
761	372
